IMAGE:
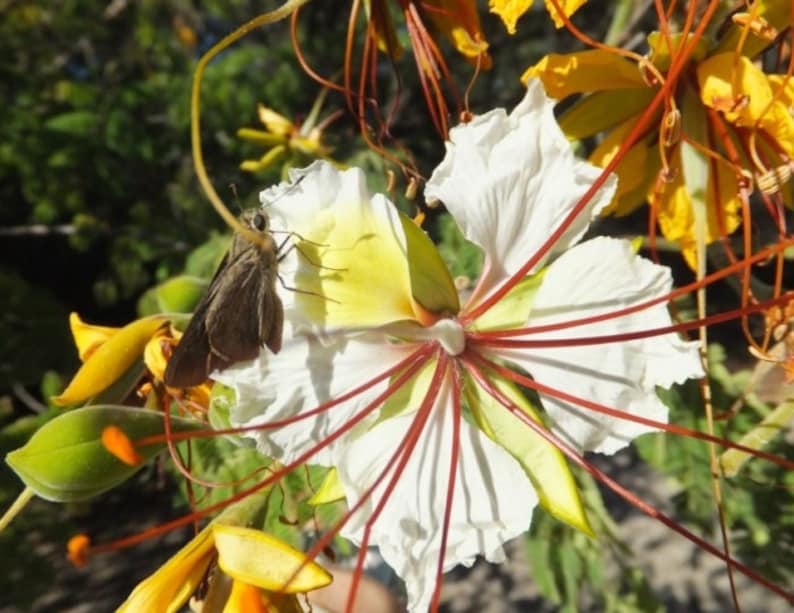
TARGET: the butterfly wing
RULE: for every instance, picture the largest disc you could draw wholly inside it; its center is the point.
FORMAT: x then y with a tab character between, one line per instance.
189	365
240	313
247	314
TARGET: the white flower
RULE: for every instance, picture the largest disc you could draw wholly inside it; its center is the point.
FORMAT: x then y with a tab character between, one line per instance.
385	377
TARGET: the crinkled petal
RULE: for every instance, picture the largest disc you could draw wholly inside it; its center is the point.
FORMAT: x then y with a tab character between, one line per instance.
493	499
510	180
601	276
350	266
307	372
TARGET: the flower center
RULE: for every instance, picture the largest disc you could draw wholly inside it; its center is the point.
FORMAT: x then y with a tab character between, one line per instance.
450	335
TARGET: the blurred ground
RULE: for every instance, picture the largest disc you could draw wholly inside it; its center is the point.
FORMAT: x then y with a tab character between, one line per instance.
685	578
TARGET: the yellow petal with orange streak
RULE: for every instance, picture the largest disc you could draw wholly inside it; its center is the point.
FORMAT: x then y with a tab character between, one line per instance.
88	337
153	355
257	558
245	598
460	23
601	111
632	168
732	84
109	361
169	587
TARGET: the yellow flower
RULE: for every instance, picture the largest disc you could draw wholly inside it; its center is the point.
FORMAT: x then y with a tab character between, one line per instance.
723	119
107	354
259	566
156	355
510	10
287	142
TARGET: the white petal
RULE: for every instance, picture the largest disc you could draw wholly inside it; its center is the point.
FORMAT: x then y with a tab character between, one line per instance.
493	499
307	372
345	240
295	205
510	180
601	276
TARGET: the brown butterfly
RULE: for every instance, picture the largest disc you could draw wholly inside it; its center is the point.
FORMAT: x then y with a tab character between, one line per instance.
240	312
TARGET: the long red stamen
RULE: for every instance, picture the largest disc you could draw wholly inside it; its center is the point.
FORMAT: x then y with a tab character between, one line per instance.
573	455
678	63
454	458
397	464
485	339
686	289
605	410
420	359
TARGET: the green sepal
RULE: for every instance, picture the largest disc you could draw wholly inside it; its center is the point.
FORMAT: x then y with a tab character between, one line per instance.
330	490
431	283
65	459
513	310
544	464
179	294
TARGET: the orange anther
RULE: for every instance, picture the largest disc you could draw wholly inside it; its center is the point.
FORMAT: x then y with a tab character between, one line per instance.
118	444
78	549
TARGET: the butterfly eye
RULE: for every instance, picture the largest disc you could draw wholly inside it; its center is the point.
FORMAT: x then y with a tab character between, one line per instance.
259	222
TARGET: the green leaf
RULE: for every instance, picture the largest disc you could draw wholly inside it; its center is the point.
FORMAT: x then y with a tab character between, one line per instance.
539	559
65	459
179	294
75	123
771	426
